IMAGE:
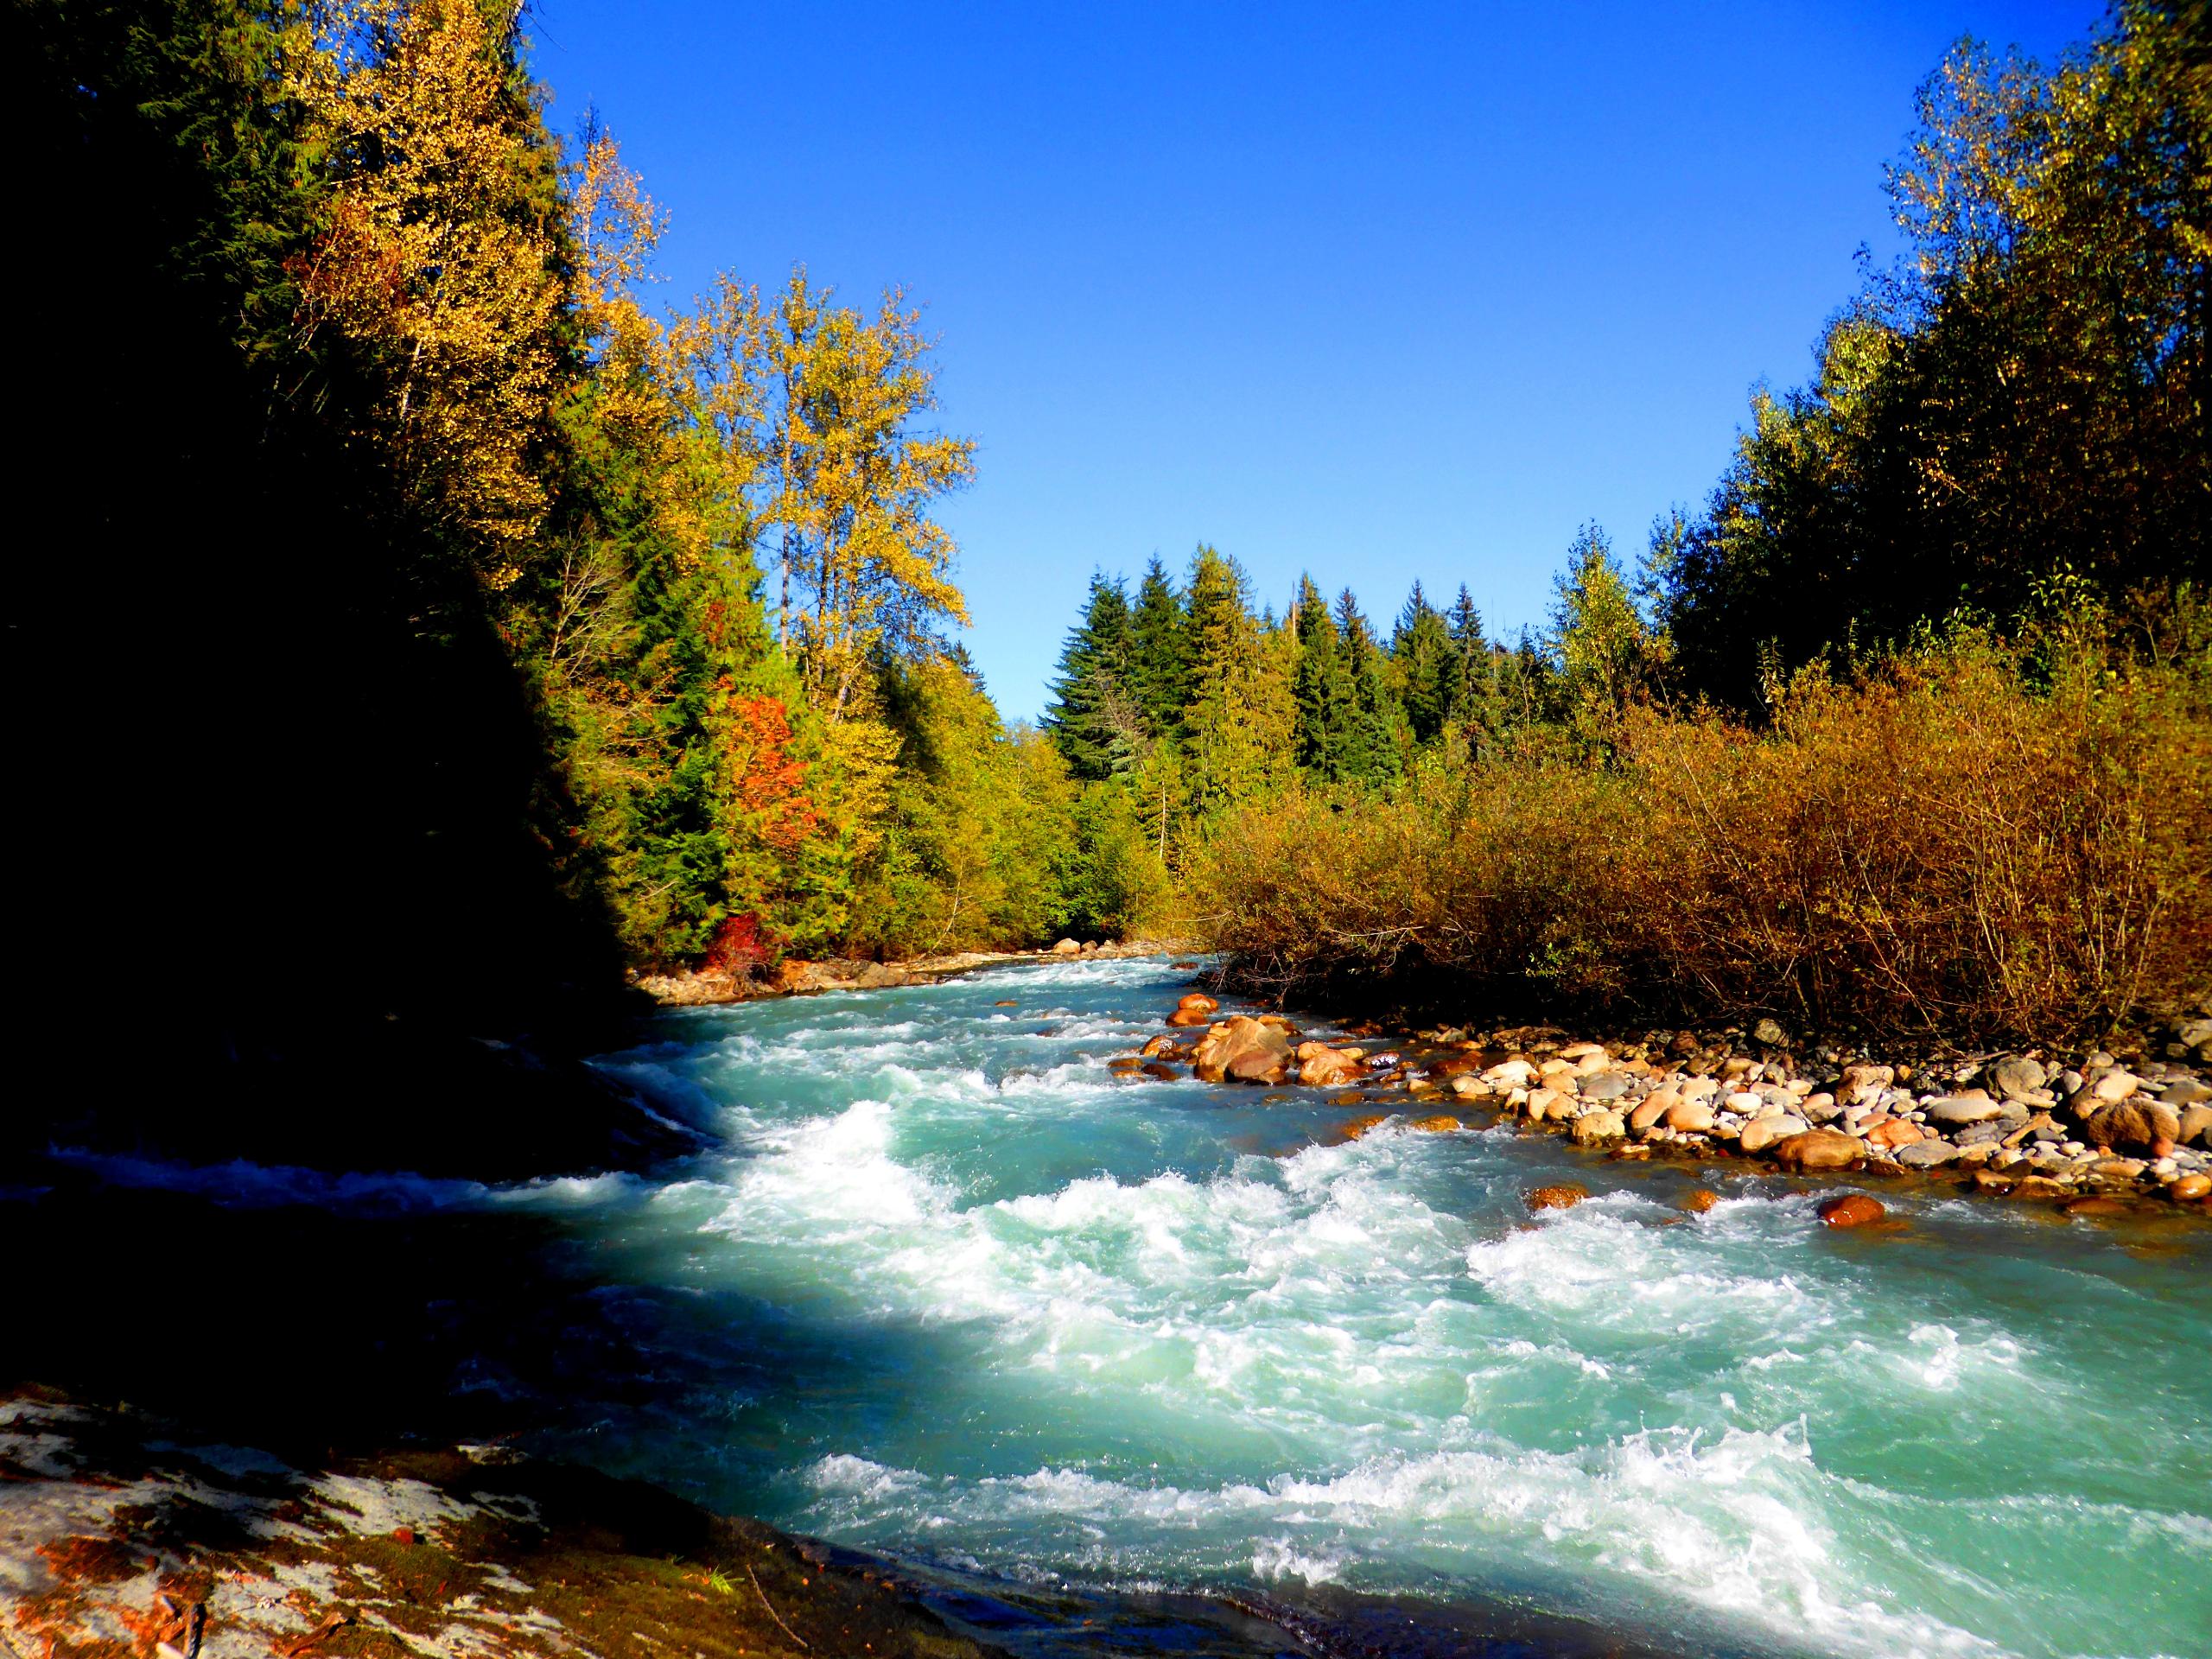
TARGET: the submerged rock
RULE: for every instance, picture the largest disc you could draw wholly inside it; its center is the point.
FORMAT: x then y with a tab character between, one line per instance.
1852	1209
1564	1195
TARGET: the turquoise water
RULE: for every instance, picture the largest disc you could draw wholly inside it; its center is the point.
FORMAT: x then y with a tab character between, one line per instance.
948	1290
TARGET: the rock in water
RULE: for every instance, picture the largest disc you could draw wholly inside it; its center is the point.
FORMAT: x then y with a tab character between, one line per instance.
1698	1202
1439	1124
1320	1066
1565	1196
1818	1149
1852	1209
1067	948
1233	1040
1199	1001
2189	1188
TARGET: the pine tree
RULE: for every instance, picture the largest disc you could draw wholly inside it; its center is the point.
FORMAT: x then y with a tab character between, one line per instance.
1322	691
1236	727
1372	746
1422	656
1160	652
1090	718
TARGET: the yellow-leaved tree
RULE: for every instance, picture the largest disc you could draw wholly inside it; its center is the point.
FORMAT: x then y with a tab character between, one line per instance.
442	258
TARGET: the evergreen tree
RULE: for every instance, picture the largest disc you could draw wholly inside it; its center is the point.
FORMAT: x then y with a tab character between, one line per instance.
1160	652
1421	655
1090	718
1236	726
1322	691
1471	660
1372	752
1603	646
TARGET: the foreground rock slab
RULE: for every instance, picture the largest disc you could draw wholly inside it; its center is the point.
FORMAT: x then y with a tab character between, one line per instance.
120	1537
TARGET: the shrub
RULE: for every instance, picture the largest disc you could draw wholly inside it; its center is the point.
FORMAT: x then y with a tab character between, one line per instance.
1935	848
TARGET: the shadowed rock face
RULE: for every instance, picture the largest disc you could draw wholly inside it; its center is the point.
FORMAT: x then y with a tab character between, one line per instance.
116	1541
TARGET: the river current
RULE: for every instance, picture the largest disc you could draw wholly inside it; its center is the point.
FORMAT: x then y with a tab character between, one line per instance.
944	1289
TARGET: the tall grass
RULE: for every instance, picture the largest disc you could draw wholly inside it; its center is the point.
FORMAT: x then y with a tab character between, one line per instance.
1939	848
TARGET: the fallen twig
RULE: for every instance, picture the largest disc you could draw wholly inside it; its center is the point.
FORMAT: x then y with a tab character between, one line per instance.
772	1613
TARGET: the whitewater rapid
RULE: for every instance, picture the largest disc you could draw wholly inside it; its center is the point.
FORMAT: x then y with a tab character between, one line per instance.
1161	1334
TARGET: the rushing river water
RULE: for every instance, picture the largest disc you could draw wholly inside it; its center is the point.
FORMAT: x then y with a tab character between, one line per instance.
944	1289
950	1291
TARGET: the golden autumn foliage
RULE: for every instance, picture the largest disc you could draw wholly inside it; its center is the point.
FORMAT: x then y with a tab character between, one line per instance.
821	402
441	259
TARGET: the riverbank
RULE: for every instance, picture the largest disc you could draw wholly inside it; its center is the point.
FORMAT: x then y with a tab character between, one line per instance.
122	1534
710	987
2094	1132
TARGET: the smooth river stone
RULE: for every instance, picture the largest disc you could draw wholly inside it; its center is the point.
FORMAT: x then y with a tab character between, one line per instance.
1761	1133
1927	1154
1964	1109
1690	1117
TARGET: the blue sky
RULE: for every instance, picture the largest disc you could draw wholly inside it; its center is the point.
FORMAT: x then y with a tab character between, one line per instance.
1381	292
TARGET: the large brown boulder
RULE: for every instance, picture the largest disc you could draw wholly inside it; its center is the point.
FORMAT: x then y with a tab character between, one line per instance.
1818	1149
1251	1051
1197	1000
1323	1067
2135	1125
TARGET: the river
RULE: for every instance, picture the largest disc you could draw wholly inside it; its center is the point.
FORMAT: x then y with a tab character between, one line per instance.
944	1289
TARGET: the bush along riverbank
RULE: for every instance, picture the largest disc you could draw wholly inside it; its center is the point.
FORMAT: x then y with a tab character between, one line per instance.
2083	1132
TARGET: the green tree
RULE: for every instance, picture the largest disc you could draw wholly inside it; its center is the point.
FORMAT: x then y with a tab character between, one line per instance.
1421	658
1093	719
1326	701
1604	646
1371	748
1160	652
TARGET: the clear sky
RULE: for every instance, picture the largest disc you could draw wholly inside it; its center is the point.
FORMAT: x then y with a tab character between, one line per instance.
1376	291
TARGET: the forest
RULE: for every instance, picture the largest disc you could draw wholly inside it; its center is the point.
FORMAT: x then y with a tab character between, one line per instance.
469	615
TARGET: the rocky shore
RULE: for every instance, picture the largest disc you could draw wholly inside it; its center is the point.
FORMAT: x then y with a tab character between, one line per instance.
2090	1133
705	987
123	1535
